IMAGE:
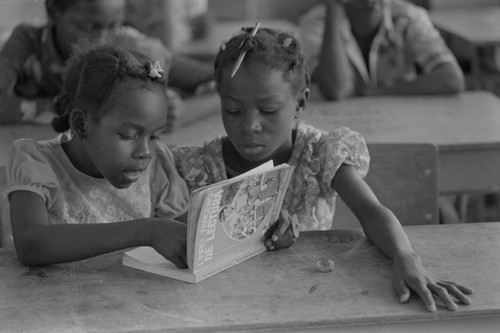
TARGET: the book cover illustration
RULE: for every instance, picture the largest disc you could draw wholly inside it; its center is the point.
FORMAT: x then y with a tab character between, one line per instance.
227	223
242	211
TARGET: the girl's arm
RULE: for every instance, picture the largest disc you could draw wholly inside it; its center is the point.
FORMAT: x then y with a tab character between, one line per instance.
39	243
445	79
382	227
333	73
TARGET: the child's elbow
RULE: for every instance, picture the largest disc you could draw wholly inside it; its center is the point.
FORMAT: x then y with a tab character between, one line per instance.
29	251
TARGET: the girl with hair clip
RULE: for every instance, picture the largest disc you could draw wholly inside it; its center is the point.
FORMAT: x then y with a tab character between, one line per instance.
105	183
263	83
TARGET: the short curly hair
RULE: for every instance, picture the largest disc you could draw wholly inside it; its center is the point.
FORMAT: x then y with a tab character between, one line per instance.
277	49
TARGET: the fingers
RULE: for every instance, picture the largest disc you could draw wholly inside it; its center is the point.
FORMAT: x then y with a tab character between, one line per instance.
402	291
286	240
445	297
283	225
457	291
448	292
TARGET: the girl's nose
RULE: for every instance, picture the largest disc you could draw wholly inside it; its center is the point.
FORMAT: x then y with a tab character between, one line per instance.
143	150
251	123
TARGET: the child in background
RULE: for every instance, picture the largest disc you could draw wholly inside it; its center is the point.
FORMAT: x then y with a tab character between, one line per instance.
105	183
33	58
377	47
261	103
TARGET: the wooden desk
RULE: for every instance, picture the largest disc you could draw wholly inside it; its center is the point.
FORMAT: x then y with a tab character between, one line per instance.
194	110
206	49
275	291
466	129
469	29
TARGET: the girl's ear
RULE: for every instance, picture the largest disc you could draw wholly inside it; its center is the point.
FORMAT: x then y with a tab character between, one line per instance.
302	99
78	123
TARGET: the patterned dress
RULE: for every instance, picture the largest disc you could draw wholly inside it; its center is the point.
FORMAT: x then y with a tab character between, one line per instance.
74	197
316	155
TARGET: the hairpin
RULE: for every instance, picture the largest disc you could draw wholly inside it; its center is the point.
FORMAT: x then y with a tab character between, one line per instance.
155	70
287	41
243	54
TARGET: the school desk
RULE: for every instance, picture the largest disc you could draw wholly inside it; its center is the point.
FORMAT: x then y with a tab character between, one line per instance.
465	127
470	29
206	49
275	291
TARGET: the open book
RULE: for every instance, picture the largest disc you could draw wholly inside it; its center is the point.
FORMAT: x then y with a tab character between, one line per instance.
227	222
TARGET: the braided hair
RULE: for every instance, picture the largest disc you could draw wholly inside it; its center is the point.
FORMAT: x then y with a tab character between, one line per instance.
279	50
92	75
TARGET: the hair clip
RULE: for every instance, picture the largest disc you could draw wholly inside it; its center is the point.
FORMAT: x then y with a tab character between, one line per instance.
287	41
243	54
223	45
155	70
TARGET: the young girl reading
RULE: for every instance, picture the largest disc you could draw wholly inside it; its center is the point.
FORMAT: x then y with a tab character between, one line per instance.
263	86
105	183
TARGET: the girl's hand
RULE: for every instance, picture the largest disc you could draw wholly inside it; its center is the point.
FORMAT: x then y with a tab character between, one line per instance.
283	233
409	274
169	238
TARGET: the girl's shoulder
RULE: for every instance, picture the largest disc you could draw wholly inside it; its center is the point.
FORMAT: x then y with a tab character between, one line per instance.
325	150
312	138
31	166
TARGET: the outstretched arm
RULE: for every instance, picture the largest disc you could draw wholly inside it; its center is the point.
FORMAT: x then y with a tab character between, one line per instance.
333	74
383	228
39	243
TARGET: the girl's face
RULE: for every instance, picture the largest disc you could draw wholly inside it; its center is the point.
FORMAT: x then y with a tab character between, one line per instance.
89	21
259	111
121	144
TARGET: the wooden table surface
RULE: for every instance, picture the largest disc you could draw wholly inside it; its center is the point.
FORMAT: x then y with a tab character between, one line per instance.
466	129
278	291
469	29
477	24
206	48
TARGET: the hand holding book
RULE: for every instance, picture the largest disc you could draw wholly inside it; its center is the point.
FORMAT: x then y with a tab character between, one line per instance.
283	233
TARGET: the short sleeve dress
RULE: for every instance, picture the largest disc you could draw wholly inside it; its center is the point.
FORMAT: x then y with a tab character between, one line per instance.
317	155
73	197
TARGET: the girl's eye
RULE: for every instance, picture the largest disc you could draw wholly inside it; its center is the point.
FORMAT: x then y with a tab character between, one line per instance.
269	110
232	111
127	136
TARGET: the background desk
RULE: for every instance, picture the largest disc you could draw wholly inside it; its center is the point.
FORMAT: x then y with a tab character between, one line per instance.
206	49
279	291
466	129
468	30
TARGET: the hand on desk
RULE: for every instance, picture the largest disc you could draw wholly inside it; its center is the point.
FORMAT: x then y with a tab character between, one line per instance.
409	274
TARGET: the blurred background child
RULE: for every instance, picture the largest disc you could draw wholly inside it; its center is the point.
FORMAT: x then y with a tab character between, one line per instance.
32	59
377	47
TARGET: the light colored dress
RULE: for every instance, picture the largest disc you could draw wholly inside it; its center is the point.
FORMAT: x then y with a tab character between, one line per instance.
405	40
73	197
317	155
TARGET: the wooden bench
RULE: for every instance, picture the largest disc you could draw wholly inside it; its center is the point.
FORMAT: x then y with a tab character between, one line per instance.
404	178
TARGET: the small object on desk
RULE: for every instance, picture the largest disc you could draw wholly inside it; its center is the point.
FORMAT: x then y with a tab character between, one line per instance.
325	265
